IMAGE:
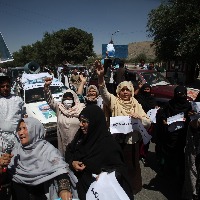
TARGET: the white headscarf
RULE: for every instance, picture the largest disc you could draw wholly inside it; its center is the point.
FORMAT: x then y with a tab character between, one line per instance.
76	109
39	161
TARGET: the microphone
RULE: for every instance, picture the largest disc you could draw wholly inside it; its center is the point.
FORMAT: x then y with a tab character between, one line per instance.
8	150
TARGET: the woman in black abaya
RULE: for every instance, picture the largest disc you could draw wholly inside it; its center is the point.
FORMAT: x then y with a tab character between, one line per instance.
94	150
145	98
173	143
148	102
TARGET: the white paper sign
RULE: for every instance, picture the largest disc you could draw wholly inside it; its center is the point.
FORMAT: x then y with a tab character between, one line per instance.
152	114
126	124
106	188
176	118
121	124
138	126
100	102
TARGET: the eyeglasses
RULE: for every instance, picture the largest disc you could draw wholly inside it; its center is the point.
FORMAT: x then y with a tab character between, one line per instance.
84	120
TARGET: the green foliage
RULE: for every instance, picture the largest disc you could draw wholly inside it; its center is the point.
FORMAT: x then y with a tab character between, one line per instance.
175	27
73	45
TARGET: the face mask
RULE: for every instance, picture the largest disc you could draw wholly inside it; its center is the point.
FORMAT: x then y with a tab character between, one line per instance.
68	103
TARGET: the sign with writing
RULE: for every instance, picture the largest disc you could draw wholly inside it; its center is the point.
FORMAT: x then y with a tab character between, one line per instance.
152	115
176	118
127	124
106	187
121	124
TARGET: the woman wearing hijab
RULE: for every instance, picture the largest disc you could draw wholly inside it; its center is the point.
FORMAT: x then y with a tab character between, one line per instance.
92	94
93	149
145	98
148	102
38	170
124	104
172	143
67	114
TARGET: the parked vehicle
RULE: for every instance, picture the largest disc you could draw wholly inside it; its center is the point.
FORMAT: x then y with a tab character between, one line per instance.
36	106
162	89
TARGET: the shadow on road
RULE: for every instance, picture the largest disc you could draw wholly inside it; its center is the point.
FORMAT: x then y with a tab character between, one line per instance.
165	183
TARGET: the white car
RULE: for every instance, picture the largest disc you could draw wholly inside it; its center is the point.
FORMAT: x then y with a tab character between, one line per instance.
36	106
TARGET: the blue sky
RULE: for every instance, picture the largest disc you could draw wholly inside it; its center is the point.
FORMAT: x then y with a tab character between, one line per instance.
24	22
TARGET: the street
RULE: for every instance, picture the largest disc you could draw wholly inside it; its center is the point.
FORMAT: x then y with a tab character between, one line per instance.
156	186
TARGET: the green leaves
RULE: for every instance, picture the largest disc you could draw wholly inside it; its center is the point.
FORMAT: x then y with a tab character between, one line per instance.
175	29
73	45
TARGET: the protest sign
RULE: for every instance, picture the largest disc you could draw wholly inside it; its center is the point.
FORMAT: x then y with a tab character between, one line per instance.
106	188
152	114
176	118
127	124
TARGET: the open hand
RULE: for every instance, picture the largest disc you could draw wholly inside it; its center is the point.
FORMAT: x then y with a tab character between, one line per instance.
82	78
99	68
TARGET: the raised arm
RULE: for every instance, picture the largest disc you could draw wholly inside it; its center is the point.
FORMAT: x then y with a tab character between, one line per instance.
106	96
47	94
81	86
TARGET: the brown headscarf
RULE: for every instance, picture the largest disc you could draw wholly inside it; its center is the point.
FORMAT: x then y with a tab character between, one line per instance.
121	107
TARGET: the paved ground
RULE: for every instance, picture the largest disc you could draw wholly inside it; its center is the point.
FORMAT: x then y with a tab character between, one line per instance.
155	186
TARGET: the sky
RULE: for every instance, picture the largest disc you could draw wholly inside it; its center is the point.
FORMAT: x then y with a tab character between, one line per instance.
24	22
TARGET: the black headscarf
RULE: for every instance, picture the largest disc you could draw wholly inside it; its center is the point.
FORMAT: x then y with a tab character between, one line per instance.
97	150
179	103
92	147
147	101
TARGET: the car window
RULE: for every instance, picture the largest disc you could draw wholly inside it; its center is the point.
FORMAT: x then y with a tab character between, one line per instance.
155	78
57	89
37	94
34	95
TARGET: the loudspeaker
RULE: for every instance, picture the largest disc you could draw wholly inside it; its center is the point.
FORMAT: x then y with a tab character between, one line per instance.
32	68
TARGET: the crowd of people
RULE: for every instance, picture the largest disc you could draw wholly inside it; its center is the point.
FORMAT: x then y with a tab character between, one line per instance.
35	169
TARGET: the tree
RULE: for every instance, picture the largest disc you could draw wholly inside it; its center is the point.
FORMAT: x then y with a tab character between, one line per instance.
73	45
77	45
175	27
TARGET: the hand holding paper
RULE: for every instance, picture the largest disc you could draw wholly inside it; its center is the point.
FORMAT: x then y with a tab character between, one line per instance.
126	124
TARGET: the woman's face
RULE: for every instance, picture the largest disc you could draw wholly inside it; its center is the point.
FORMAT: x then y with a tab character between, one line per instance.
23	134
84	123
92	93
67	102
147	89
125	94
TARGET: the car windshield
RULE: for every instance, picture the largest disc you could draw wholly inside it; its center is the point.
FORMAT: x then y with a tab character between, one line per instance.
37	94
155	78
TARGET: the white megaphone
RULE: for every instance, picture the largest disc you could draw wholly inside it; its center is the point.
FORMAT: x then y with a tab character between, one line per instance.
32	68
